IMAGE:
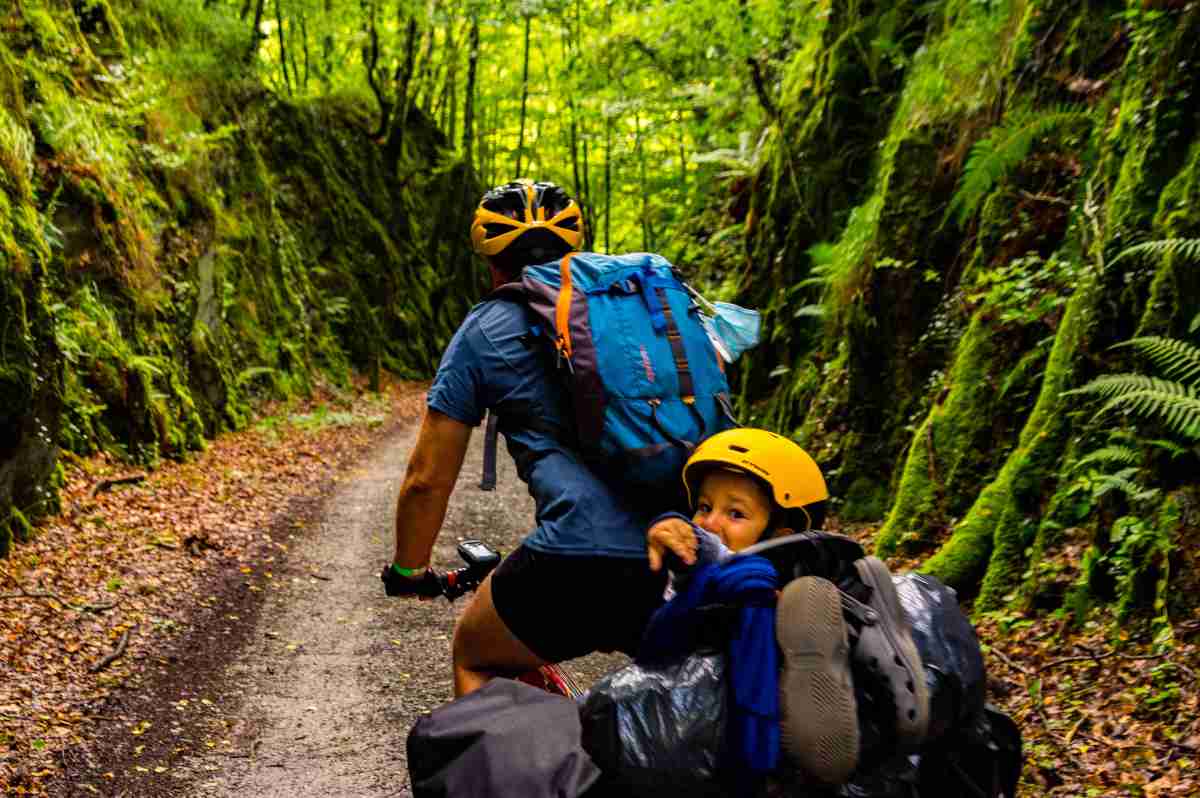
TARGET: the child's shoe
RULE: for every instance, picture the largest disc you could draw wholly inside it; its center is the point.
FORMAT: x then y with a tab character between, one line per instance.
885	646
819	721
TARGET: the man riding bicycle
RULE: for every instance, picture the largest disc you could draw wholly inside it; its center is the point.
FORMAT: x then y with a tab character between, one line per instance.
587	541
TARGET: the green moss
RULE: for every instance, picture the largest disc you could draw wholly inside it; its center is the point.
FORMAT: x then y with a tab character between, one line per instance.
1174	294
865	500
990	541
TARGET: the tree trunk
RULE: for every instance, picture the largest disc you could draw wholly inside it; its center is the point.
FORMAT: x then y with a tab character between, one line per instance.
304	41
422	90
283	67
589	230
682	154
468	139
607	184
394	148
647	232
451	126
256	36
371	61
524	98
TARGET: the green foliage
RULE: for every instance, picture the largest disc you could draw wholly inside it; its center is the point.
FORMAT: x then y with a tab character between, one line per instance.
1027	288
1178	360
1175	404
1138	551
1187	248
997	154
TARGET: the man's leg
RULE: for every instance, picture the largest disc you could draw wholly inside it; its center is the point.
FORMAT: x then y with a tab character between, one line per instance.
484	647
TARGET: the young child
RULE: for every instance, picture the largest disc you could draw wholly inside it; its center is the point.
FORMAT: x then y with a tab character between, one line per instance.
749	485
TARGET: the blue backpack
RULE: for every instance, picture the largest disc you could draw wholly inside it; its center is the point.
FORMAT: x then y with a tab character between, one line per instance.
644	379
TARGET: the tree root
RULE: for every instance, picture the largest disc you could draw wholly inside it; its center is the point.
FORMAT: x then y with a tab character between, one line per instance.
116	654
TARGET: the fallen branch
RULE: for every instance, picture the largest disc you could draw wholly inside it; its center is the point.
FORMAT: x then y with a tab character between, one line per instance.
322	577
1093	657
1004	658
108	484
41	594
114	656
1084	658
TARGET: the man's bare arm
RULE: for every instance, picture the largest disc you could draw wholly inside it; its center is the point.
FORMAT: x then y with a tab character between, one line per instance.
432	471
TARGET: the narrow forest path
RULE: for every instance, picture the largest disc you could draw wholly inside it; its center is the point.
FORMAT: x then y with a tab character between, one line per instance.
334	674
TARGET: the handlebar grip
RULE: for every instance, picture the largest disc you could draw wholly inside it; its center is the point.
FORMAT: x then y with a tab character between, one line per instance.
453	584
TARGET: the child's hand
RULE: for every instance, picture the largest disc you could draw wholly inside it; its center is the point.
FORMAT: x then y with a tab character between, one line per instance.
671	534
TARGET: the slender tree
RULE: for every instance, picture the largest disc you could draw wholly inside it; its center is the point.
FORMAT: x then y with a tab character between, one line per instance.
524	96
256	34
468	138
608	124
283	61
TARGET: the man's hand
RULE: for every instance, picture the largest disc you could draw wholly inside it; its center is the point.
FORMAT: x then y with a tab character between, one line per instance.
672	535
396	584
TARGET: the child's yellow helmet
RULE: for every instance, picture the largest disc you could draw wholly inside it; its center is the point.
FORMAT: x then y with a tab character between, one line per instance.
793	475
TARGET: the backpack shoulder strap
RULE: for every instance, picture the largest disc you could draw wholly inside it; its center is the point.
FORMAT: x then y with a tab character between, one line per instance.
514	292
511	292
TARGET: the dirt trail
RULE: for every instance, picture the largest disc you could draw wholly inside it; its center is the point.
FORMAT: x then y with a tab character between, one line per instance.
334	673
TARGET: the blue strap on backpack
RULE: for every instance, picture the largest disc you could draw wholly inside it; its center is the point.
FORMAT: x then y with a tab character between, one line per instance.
645	382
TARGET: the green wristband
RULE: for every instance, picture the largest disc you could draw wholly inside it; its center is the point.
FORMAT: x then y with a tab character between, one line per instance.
409	572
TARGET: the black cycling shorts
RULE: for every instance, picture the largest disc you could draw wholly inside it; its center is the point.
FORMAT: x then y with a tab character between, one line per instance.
563	606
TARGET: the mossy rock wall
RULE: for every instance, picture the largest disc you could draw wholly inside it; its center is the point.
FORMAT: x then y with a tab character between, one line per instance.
176	242
961	296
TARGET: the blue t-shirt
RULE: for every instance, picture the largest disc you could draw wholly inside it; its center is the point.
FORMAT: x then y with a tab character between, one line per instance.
495	362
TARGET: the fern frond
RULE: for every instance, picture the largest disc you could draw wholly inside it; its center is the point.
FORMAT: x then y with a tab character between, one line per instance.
1108	386
1170	447
1175	405
998	153
1149	494
1106	483
246	375
1177	359
148	366
1189	248
1111	455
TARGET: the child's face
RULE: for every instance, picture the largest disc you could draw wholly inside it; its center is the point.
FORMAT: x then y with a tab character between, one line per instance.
733	507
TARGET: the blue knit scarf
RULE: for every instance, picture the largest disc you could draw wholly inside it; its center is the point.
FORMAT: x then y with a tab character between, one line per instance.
752	661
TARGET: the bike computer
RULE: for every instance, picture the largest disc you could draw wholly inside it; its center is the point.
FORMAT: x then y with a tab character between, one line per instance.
478	555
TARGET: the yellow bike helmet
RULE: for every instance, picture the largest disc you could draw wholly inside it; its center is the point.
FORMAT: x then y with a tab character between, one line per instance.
792	475
533	215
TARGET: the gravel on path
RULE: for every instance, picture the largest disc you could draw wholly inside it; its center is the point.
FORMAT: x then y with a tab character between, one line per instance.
334	673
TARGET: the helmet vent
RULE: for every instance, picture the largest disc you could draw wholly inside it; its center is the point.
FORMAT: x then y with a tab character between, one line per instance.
736	448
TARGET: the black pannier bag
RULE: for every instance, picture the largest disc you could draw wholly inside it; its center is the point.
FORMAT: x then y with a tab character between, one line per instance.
504	740
659	730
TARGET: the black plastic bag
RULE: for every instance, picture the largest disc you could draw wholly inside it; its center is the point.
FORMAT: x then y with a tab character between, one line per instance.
949	650
659	731
983	759
505	739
